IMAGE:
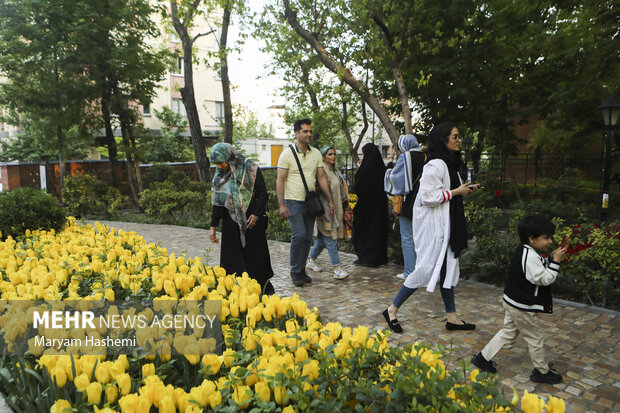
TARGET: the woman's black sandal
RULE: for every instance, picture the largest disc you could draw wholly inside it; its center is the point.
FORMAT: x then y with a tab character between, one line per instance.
393	324
465	326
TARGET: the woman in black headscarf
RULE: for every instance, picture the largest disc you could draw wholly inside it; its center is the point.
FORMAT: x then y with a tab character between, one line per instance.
439	228
370	215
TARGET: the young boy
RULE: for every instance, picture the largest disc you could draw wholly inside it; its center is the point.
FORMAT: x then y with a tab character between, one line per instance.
526	294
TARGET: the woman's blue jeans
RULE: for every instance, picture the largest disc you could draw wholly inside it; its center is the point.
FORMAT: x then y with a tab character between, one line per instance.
323	241
406	241
447	294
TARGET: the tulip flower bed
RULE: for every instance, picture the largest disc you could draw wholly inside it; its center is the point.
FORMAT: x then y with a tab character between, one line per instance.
278	354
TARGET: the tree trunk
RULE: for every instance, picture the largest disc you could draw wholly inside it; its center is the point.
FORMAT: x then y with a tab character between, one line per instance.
109	138
353	148
395	66
131	167
228	115
187	93
61	161
343	72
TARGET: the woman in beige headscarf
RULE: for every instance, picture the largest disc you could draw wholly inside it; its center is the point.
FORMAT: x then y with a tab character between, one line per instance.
330	227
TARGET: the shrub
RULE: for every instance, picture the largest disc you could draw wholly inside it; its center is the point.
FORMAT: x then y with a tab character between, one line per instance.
493	239
166	202
591	270
156	173
87	196
278	228
28	209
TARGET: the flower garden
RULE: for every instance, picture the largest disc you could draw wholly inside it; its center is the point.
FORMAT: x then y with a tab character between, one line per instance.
278	355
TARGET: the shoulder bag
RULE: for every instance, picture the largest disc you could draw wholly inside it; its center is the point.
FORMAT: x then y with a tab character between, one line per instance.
313	199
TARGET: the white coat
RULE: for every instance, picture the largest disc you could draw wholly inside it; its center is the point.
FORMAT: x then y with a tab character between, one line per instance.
431	229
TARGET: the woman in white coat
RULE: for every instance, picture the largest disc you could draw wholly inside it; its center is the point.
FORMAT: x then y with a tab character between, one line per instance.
439	228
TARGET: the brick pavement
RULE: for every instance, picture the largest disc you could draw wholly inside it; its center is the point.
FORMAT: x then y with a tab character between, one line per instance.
582	341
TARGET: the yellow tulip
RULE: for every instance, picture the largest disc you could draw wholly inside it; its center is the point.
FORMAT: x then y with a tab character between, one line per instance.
473	374
530	403
280	396
192	358
93	392
124	383
262	391
61	406
215	398
148	369
311	369
515	398
301	355
59	375
111	393
167	405
242	395
81	382
102	372
143	405
289	409
555	405
212	363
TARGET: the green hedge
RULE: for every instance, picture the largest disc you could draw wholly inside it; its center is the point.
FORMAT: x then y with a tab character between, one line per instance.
29	209
87	196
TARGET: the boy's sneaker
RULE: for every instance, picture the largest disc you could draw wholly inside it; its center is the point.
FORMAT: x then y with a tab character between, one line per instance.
313	265
340	274
550	377
401	276
479	361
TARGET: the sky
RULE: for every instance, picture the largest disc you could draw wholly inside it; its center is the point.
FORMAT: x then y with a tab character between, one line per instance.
246	67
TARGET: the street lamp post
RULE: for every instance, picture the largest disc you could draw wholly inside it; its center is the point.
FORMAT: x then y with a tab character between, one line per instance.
610	111
467	146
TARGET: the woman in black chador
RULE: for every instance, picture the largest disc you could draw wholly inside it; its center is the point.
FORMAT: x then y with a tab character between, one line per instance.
239	199
370	215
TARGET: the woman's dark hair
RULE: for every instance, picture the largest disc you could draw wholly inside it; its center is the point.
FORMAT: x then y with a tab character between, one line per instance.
439	137
534	226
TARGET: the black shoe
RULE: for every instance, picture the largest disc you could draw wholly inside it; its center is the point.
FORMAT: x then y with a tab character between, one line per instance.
306	279
363	264
479	361
298	281
465	326
393	324
550	377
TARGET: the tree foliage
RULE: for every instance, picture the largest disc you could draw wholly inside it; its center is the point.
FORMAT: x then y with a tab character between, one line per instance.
488	66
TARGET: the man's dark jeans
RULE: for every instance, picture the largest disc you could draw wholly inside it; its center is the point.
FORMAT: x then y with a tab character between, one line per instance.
302	226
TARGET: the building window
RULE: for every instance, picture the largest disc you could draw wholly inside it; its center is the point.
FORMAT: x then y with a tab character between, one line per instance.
219	112
180	67
146	109
178	107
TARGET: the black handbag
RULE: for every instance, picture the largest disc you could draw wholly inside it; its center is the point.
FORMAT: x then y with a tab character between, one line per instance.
313	198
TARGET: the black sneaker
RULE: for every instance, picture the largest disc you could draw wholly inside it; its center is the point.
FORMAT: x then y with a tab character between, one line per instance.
297	281
306	279
550	377
479	361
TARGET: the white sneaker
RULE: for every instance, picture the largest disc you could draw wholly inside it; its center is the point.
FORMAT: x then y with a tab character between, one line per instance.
340	274
401	276
313	265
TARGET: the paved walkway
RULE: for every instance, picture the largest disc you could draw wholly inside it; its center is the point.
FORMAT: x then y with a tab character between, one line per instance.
581	341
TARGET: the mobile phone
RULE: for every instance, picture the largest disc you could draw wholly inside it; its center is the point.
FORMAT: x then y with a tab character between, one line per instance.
564	243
